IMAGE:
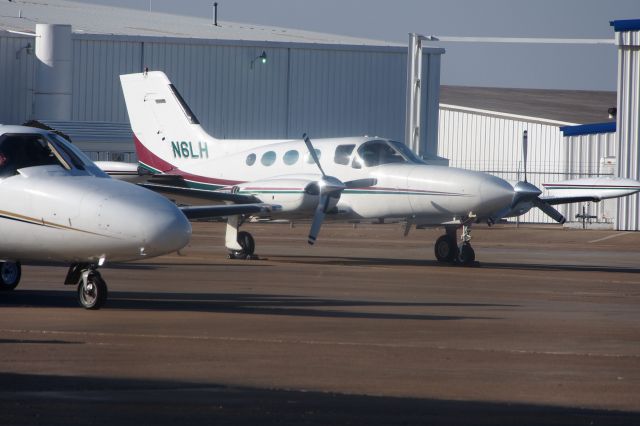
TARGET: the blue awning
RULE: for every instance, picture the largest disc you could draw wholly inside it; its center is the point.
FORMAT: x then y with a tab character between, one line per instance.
588	129
625	25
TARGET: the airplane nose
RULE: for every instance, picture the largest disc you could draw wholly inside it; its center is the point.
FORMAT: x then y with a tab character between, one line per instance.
145	223
496	194
168	230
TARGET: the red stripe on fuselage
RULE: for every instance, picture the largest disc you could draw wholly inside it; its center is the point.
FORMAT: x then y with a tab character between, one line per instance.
146	156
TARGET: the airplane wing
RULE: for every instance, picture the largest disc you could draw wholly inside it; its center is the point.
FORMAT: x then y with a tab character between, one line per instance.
570	199
176	189
208	212
590	189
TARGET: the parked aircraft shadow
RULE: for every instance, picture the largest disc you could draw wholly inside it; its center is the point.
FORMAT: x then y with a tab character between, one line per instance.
29	399
243	304
373	261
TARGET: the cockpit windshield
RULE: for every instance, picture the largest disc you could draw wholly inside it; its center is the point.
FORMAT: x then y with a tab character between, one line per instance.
21	150
377	152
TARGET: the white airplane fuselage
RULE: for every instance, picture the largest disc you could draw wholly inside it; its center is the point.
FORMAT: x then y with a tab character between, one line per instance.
428	193
49	215
70	215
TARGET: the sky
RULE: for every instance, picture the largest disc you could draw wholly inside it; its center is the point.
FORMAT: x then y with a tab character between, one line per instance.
541	66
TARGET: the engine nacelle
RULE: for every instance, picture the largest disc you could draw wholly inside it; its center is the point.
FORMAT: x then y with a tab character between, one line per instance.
293	194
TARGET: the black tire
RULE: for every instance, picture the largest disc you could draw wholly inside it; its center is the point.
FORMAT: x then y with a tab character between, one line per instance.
446	249
93	295
467	255
247	243
10	273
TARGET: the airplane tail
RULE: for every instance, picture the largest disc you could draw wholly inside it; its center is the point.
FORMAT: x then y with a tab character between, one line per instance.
167	134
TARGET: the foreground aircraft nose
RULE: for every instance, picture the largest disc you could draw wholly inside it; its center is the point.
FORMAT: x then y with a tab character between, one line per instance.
168	230
140	222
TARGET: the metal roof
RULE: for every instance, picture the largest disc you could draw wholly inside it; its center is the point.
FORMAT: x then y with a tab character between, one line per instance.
572	106
23	15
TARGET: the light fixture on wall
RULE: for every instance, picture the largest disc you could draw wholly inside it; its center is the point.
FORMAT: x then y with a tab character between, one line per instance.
262	58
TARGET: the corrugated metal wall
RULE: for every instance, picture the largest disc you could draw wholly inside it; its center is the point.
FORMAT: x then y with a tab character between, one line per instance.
325	91
628	124
96	86
492	142
584	153
231	98
17	71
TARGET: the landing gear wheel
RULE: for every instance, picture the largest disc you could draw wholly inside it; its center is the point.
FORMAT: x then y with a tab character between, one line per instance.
247	242
467	255
446	249
10	273
248	245
92	294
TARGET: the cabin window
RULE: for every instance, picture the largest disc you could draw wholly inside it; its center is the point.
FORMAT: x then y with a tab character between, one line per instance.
251	159
75	156
309	158
409	155
291	157
377	152
343	154
268	158
22	150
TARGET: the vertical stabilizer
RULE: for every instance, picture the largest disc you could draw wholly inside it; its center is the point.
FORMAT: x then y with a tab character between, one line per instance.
166	132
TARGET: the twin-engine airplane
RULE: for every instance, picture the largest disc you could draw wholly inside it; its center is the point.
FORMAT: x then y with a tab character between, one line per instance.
342	178
56	205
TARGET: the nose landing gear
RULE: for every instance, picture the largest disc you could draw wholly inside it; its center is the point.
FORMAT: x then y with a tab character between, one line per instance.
92	289
447	250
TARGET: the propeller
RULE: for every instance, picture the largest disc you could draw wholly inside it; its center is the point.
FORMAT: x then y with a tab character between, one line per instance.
527	192
525	152
327	187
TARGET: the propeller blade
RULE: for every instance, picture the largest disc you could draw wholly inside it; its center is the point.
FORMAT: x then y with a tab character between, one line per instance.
312	152
525	152
318	218
361	183
548	210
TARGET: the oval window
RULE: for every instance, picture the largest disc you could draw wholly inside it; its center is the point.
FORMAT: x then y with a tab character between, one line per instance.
291	157
251	158
310	158
268	158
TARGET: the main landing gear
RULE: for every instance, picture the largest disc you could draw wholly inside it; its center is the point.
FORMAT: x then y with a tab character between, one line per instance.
447	250
241	245
10	273
92	289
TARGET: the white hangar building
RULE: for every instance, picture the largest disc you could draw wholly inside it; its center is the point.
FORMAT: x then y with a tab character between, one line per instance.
242	81
482	128
570	133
